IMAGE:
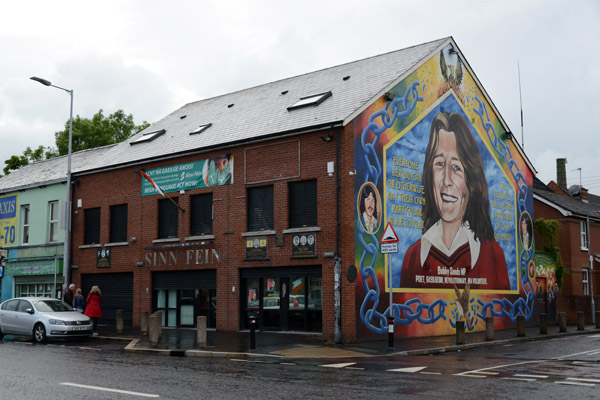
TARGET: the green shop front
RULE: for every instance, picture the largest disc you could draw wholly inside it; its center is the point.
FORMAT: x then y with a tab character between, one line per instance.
39	276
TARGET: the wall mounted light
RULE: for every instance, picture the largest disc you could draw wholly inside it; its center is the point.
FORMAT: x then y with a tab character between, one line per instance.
330	168
327	137
389	96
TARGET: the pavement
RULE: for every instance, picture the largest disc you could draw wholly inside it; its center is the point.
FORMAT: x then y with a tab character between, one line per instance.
182	343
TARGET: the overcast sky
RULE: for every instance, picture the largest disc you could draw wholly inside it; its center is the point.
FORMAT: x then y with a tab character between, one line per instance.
151	57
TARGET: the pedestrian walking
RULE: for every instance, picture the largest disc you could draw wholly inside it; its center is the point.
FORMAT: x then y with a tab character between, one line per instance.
93	309
79	301
69	294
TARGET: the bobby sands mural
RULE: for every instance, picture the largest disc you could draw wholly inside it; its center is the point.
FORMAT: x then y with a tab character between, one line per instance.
458	245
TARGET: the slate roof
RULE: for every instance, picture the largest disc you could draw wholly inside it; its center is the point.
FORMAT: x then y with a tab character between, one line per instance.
246	115
51	171
574	206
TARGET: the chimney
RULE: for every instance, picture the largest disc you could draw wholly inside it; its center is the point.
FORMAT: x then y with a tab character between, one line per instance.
561	173
583	194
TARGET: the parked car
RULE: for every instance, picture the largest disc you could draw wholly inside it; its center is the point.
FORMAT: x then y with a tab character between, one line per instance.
42	318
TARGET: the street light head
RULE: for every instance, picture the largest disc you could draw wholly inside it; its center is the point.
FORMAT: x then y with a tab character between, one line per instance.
40	80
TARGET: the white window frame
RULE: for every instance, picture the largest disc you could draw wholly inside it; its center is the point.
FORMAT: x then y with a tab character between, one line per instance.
25	213
583	235
585	273
53	222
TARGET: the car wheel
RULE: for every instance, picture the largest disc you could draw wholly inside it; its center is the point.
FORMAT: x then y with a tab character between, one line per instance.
39	333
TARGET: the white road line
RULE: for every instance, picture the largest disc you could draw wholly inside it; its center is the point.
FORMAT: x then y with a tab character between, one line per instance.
410	370
594	336
575	383
576	354
531	376
341	365
430	373
238	360
594	353
89	348
356	368
519	379
472	376
109	390
584	380
286	363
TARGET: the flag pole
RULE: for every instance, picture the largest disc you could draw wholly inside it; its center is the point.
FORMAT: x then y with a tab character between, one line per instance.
142	172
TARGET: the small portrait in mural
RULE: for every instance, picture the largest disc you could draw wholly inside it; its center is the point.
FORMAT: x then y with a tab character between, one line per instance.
531	268
457	245
369	206
525	227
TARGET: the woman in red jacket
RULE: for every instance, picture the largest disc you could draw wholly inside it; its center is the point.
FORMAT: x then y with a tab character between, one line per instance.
93	307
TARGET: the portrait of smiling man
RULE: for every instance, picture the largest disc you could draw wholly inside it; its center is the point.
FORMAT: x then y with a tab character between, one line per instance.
458	242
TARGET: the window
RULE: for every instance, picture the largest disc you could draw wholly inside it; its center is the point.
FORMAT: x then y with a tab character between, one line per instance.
53	221
583	232
25	224
118	223
303	204
149	136
168	222
314	99
260	208
202	215
92	226
585	281
200	129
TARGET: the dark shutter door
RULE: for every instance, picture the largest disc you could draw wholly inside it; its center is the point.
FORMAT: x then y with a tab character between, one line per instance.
203	279
303	204
167	219
118	223
92	226
117	294
201	215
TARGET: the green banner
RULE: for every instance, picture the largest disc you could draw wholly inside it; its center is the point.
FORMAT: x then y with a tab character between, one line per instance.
45	267
193	175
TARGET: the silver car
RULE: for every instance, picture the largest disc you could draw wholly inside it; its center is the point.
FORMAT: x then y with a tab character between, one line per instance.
42	318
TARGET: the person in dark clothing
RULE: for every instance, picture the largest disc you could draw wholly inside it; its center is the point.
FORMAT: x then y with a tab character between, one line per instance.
69	294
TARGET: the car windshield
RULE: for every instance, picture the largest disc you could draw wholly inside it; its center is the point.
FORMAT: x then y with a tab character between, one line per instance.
51	306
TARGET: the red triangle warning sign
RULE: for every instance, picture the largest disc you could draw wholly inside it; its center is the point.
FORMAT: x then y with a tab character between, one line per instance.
389	235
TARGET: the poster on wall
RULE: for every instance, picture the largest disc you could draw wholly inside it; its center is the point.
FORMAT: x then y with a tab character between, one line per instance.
457	193
8	220
193	175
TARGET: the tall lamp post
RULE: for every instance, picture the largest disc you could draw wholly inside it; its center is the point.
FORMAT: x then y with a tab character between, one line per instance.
67	209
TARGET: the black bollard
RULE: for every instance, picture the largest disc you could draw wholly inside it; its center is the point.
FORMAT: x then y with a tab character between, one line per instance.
390	333
252	332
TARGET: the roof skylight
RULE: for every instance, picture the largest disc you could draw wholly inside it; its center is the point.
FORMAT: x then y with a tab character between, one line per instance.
201	129
311	100
147	137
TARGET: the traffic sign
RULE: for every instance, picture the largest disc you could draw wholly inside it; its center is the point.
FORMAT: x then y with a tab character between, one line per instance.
389	235
387	248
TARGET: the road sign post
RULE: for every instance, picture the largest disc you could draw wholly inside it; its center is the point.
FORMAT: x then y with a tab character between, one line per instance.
388	245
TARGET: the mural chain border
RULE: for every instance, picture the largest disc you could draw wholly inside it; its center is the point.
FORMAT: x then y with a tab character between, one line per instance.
415	309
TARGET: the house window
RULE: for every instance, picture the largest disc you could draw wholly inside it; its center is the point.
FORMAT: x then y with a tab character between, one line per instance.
260	208
118	223
201	217
583	231
25	224
167	219
312	100
148	136
92	226
585	281
303	204
53	221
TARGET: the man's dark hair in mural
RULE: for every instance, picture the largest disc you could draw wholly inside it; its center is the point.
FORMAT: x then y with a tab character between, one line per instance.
458	238
525	228
368	208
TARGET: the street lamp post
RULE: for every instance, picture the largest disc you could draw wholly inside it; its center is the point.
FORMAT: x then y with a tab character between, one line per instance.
67	209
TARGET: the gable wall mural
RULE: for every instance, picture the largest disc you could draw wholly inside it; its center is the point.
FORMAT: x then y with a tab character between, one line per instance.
432	160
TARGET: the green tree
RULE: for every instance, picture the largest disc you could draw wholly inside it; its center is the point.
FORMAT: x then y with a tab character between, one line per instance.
87	134
28	156
97	131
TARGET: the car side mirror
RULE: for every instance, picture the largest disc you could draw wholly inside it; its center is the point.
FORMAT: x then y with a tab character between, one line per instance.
29	311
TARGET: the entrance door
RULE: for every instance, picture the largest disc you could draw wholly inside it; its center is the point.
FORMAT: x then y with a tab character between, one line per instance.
271	303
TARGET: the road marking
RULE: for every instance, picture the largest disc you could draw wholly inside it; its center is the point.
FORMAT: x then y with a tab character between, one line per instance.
287	363
89	348
594	336
238	360
341	365
110	390
576	354
430	373
410	370
584	380
594	353
472	376
531	376
356	368
575	383
519	379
